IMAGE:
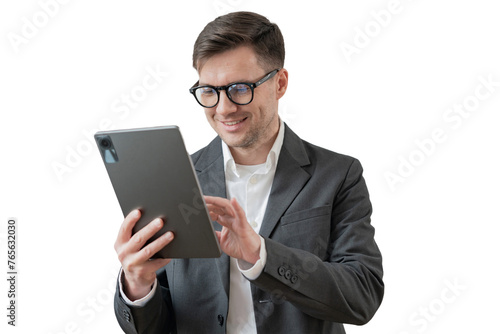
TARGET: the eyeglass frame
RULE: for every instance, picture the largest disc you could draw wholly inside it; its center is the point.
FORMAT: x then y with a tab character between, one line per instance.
252	86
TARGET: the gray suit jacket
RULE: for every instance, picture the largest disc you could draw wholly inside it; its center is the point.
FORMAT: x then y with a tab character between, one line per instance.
323	265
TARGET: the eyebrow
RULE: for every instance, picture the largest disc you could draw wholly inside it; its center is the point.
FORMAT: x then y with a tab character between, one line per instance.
232	82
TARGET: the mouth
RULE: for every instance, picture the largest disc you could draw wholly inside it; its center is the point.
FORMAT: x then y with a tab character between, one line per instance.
230	123
233	125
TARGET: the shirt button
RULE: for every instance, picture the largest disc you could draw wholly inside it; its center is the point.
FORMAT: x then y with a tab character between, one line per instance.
254	224
253	179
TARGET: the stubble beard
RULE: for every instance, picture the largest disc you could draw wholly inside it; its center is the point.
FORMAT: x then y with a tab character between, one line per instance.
253	136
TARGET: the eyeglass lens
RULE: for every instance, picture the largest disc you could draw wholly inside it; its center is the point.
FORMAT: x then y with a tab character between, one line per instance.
239	93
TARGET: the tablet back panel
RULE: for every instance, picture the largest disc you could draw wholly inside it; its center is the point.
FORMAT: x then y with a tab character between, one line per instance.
151	170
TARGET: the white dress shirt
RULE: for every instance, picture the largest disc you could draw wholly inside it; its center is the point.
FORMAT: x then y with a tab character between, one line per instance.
251	186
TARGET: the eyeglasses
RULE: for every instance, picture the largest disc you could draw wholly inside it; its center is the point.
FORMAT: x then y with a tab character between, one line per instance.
240	93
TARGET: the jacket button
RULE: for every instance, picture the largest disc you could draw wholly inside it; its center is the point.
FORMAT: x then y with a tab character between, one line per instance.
294	279
288	274
281	270
220	318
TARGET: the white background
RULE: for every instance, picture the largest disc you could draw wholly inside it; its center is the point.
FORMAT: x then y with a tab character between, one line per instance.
437	226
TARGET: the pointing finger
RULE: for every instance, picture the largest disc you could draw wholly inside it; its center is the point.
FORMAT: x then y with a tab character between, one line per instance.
221	203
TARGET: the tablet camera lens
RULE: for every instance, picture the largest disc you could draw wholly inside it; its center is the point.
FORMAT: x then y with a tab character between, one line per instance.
105	143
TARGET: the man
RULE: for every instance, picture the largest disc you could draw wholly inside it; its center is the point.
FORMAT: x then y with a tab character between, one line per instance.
292	219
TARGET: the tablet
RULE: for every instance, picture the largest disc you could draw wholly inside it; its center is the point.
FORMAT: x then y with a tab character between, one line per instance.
150	170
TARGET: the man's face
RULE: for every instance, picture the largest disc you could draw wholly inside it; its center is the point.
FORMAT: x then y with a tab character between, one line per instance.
247	126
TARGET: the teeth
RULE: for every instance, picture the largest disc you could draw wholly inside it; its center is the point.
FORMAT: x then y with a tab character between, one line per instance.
232	123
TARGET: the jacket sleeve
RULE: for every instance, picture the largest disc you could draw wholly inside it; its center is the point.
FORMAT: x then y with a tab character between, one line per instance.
345	285
155	317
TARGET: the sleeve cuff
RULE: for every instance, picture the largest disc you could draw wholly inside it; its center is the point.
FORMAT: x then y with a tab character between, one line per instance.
252	272
139	302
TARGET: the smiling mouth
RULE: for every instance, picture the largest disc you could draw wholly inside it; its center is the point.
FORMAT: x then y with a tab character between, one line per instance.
234	122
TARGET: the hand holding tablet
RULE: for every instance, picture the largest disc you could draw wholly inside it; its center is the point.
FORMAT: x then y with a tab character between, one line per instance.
151	171
139	268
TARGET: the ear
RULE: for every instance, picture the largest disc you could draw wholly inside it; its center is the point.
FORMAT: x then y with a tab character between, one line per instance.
281	83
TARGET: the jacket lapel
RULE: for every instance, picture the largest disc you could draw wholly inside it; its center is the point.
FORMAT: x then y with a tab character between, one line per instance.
210	169
293	157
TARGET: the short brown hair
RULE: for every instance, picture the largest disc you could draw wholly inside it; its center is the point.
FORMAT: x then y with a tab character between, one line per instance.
236	29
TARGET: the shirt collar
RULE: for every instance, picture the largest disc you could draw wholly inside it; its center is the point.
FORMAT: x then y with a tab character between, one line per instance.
272	157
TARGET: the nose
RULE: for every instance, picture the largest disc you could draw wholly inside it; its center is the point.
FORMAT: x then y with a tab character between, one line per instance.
225	106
